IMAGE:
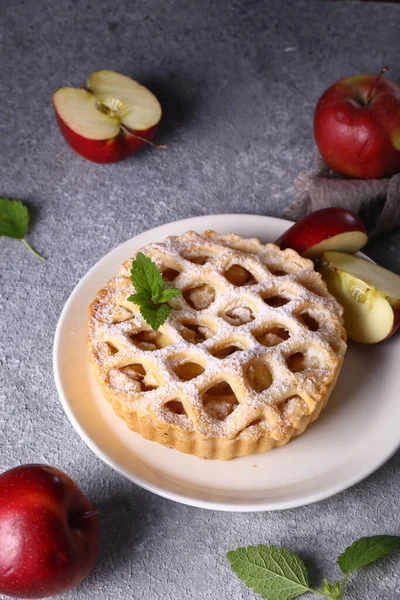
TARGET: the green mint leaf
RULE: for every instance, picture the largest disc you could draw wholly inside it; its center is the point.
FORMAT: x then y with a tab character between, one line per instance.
14	221
274	573
168	294
14	218
155	316
150	293
333	591
327	587
140	298
146	277
367	550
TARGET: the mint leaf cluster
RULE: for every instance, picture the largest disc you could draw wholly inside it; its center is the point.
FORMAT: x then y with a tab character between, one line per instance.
14	221
151	295
277	574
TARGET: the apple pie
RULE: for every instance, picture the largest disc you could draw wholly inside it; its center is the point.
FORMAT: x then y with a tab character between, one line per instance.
247	359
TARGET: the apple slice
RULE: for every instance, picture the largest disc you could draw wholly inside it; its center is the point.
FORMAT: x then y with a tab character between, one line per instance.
110	120
327	229
369	294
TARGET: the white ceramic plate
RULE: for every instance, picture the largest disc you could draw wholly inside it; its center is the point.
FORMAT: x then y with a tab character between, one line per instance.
354	436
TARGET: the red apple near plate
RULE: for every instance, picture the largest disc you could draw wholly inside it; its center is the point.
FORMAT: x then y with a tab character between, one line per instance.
110	120
48	532
357	126
323	230
369	294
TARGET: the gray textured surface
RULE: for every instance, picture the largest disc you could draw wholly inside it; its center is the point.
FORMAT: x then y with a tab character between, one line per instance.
238	82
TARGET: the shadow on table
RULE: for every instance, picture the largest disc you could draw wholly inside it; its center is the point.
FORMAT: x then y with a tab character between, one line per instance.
177	105
314	568
122	522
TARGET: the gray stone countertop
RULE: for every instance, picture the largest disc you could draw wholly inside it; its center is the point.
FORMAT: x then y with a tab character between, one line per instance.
238	81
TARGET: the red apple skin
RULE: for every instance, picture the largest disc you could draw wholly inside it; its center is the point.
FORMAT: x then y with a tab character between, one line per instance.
396	321
45	548
105	151
319	226
356	137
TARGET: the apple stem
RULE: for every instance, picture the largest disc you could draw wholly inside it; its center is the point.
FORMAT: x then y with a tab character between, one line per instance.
32	250
89	513
139	137
375	84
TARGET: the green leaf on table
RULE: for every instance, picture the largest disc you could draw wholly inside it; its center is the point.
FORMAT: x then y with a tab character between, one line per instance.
14	221
274	573
14	218
146	277
367	550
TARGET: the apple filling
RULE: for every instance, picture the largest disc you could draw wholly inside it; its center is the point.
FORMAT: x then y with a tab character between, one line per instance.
275	301
174	412
272	336
309	321
259	376
225	351
176	407
200	297
300	361
197	259
138	373
188	371
219	401
239	276
169	274
111	349
150	340
238	315
195	333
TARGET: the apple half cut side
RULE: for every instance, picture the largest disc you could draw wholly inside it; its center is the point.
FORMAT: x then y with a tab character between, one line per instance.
110	120
369	294
323	230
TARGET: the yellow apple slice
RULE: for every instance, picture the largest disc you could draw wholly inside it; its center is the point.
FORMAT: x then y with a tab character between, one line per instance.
369	294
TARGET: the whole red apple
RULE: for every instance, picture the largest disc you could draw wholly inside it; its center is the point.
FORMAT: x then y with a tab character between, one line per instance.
48	532
110	120
357	126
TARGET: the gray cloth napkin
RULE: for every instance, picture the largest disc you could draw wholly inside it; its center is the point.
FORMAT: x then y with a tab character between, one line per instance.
377	201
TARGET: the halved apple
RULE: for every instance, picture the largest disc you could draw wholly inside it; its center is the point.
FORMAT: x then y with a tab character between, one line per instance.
327	229
369	294
108	121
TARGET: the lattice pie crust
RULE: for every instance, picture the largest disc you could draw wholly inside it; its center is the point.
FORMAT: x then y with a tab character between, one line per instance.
246	361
